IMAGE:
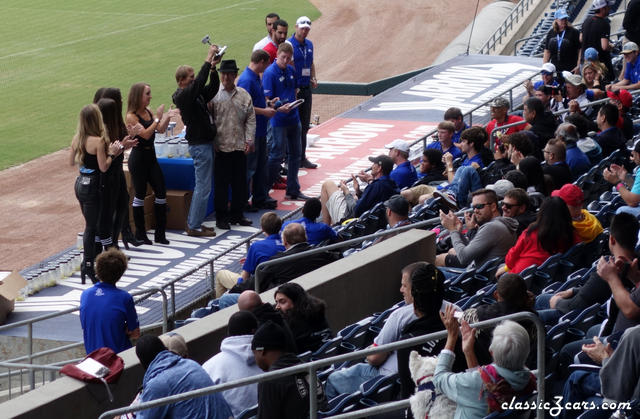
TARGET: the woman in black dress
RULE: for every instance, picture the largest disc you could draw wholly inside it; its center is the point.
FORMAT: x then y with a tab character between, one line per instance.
562	45
93	153
143	165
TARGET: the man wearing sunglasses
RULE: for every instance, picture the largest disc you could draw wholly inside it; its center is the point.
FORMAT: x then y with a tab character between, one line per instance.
516	205
494	237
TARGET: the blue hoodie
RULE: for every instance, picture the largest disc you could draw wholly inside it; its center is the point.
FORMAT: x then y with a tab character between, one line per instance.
170	374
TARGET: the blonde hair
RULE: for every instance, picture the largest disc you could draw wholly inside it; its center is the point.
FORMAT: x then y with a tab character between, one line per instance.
89	125
135	97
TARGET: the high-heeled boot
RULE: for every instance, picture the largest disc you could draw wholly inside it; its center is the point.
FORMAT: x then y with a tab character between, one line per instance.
138	219
128	238
86	269
161	223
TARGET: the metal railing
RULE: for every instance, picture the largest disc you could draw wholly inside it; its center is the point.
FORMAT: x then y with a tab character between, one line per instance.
346	243
556	113
578	26
30	322
313	366
15	368
514	16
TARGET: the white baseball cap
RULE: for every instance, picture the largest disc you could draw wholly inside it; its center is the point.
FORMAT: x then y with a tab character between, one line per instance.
303	22
399	145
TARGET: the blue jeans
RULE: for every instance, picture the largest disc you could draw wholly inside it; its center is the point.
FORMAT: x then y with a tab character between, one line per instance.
547	314
465	181
635	211
202	155
227	300
285	139
257	171
580	386
349	379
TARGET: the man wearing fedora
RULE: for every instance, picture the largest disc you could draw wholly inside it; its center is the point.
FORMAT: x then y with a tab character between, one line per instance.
235	121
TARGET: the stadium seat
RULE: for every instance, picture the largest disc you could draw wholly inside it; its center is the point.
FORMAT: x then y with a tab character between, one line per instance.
380	389
249	413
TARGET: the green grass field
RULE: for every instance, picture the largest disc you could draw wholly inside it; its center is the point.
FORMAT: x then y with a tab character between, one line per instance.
55	54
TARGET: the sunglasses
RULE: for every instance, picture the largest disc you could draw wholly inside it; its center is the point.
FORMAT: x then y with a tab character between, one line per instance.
478	206
509	206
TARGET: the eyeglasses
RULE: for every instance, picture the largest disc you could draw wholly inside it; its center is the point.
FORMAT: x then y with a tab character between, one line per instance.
479	206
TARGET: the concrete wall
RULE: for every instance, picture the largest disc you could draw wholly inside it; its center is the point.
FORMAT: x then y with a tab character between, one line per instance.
353	288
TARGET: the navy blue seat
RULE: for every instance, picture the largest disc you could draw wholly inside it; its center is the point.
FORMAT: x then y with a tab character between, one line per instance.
380	389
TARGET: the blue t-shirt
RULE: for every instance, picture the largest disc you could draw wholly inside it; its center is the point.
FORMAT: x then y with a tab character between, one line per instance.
302	59
475	159
404	175
632	71
261	251
636	182
106	313
316	232
455	151
456	134
281	83
250	82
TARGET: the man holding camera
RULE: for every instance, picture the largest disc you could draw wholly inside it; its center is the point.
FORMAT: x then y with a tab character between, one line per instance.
191	98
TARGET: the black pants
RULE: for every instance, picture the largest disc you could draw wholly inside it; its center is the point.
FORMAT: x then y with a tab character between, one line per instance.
144	167
305	118
114	202
230	171
87	191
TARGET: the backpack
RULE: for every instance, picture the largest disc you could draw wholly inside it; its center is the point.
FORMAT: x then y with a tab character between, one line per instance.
100	366
499	390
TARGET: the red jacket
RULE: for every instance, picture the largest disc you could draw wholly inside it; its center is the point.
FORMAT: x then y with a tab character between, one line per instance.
528	251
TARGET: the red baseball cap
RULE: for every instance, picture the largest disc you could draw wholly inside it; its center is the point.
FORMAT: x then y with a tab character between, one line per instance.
571	194
623	96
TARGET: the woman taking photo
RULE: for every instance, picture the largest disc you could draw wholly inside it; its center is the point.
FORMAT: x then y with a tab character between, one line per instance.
92	152
305	315
562	45
143	165
114	201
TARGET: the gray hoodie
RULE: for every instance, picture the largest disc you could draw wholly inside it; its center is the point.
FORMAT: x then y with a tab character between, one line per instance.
235	361
493	239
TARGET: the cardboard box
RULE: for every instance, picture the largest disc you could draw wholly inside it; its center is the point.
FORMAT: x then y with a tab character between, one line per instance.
178	204
9	290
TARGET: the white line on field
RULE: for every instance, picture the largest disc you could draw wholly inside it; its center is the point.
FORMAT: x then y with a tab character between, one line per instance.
130	29
89	12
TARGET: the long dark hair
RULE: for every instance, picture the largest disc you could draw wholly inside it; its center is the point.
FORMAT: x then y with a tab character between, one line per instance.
305	305
554	226
115	94
109	112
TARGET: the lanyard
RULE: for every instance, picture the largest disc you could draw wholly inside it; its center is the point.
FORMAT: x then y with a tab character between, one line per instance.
559	39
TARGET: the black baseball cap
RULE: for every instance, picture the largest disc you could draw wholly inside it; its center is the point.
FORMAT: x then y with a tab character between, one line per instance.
398	204
384	161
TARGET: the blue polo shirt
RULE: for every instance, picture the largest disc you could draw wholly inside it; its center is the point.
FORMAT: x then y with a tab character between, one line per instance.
475	159
281	83
316	232
404	175
261	251
302	59
250	82
455	151
632	71
106	313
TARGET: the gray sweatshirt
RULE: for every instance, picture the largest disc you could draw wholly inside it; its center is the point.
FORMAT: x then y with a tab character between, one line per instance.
615	384
493	239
